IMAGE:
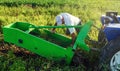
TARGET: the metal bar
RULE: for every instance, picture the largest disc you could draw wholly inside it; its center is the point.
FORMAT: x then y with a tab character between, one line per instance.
81	37
41	27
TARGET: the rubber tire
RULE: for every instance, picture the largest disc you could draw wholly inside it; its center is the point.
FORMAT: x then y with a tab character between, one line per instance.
107	53
102	40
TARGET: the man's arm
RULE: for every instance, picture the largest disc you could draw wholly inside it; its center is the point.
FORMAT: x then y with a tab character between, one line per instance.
73	35
53	30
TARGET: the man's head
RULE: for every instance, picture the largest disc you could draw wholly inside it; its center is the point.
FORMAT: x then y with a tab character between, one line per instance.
59	20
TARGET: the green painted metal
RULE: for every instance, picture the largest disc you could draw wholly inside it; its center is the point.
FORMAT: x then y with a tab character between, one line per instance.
62	41
41	27
81	37
40	41
16	33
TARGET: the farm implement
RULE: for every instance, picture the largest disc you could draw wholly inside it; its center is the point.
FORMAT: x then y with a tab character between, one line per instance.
45	43
42	43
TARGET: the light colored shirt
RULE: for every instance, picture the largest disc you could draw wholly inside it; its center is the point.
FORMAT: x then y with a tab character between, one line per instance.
70	20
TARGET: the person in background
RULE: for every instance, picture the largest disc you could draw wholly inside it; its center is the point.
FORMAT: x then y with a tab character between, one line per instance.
110	19
107	20
68	20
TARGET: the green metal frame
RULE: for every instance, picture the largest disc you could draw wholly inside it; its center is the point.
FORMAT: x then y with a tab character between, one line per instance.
81	37
19	33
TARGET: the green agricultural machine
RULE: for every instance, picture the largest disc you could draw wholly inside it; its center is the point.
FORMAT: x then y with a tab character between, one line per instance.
45	43
57	47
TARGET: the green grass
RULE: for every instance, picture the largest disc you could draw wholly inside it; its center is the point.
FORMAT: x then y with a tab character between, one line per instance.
43	12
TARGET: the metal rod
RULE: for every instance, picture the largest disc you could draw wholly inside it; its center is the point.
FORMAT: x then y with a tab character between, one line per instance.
40	27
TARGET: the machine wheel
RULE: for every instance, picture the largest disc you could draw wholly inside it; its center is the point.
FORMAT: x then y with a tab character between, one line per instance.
101	39
110	56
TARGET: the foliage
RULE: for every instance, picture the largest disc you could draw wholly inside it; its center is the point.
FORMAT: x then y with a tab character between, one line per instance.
45	11
12	62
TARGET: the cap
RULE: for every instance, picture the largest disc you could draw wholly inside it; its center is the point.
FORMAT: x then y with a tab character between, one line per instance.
59	19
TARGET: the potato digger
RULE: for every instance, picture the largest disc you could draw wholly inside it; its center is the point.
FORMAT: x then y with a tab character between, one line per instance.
57	47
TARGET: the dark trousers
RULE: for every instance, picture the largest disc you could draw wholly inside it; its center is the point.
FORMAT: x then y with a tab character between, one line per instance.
77	30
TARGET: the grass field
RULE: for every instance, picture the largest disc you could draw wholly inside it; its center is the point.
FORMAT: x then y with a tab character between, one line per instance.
43	12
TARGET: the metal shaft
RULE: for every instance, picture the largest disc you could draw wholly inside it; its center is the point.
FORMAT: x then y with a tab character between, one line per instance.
40	27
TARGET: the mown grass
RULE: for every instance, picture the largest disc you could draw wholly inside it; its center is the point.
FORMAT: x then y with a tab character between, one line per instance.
43	12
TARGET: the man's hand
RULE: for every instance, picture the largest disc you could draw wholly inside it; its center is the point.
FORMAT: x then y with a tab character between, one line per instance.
53	31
